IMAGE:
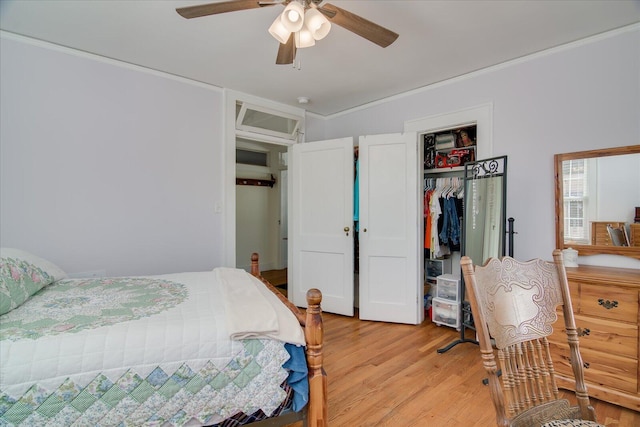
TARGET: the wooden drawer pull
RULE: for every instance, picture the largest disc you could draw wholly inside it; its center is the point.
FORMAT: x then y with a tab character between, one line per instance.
608	304
583	332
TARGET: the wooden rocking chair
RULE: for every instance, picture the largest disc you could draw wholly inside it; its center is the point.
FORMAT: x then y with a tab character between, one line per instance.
514	305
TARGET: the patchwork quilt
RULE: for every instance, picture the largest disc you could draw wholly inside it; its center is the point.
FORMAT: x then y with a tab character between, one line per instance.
133	351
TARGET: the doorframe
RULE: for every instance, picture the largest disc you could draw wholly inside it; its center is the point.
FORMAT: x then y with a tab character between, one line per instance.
283	243
480	115
271	256
228	173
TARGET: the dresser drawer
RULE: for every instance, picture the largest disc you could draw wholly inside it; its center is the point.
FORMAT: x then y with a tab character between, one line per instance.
611	303
607	369
605	302
601	335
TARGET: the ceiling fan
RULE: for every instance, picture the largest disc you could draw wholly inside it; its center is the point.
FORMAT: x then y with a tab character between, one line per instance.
296	16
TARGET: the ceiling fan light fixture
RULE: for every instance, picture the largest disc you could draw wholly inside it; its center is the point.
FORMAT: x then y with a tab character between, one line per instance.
304	38
306	19
279	31
317	23
293	16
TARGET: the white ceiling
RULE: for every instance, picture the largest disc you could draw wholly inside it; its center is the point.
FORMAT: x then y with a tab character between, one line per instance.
438	40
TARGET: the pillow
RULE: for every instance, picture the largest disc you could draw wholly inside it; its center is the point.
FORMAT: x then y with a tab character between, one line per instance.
23	274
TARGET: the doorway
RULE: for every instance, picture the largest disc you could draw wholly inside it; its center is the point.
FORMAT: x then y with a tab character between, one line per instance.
261	205
264	125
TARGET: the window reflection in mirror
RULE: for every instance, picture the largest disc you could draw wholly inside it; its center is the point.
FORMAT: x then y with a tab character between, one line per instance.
597	191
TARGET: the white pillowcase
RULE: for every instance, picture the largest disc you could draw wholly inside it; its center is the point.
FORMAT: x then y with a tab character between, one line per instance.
50	268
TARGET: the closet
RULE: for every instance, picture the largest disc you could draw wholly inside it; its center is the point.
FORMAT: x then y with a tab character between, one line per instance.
453	142
446	152
391	217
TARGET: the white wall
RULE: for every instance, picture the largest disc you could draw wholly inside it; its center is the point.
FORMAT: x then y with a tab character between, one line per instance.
252	225
579	97
108	167
315	128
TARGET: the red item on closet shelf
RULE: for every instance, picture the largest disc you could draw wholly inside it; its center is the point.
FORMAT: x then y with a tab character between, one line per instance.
454	158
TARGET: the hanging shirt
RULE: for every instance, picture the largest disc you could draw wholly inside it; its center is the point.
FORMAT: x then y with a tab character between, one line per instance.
427	219
434	212
451	226
356	197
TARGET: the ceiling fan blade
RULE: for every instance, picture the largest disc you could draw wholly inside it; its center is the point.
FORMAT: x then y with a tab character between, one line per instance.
358	25
220	7
286	52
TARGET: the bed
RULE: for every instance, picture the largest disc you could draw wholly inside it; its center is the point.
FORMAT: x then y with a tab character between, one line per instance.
214	348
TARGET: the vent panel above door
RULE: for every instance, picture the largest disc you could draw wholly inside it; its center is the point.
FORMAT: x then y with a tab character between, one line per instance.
253	118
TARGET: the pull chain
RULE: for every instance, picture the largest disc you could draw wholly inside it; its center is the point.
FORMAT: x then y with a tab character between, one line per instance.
296	61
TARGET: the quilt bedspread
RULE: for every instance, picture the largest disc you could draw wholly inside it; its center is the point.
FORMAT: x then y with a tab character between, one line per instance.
132	351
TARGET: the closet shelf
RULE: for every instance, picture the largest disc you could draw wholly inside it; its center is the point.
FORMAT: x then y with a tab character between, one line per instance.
444	170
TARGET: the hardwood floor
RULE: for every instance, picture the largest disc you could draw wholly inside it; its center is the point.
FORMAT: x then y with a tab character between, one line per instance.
383	374
275	277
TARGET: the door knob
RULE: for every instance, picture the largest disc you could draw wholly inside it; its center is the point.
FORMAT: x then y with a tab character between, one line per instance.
346	231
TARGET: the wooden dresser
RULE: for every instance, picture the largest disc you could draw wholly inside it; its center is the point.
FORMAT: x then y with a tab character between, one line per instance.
605	302
634	234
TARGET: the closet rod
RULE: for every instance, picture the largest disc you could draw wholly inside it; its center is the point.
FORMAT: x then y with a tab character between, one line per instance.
257	182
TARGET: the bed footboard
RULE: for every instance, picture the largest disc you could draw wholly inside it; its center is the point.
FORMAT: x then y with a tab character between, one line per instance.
314	335
313	332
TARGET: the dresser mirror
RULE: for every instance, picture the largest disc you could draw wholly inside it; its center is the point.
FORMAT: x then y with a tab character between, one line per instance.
598	201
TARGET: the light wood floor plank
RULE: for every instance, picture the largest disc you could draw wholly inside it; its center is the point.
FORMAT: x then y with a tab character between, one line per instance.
383	374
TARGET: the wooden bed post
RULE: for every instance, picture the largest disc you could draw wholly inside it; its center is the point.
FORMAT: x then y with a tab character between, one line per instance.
317	413
313	332
255	265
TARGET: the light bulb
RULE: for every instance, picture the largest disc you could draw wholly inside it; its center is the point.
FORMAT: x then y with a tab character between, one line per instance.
292	17
304	38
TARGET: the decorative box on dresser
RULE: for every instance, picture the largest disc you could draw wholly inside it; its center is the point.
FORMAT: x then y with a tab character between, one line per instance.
606	306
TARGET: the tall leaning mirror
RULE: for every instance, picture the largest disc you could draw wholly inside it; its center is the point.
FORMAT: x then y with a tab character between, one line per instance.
485	210
598	201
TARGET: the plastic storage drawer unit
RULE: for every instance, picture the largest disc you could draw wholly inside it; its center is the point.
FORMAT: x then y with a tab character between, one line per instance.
436	267
445	312
448	287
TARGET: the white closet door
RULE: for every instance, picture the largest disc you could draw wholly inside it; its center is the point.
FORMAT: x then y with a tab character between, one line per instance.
390	194
321	223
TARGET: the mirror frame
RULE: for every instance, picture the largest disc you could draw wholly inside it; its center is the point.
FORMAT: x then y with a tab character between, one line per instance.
633	252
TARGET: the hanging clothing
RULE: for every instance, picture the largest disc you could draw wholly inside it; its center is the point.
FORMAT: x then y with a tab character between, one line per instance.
427	219
459	206
356	197
435	211
450	231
